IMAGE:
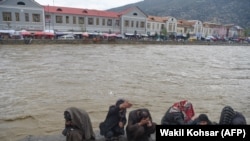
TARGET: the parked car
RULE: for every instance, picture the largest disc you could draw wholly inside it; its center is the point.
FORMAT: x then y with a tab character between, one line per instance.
66	37
210	38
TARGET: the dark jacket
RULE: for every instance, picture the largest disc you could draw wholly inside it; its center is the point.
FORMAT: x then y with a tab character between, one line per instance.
231	117
174	118
136	132
112	120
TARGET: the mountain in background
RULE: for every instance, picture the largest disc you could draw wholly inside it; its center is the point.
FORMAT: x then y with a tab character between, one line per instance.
218	11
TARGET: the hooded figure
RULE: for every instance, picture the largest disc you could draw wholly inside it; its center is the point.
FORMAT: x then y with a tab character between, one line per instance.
231	117
179	113
140	125
78	126
113	125
202	119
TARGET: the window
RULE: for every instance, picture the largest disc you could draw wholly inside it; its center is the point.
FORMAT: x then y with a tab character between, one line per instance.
142	24
148	25
135	14
103	22
47	18
97	21
117	23
162	26
81	20
36	17
7	16
59	19
27	18
74	20
170	27
90	21
109	22
58	9
17	16
137	24
20	3
132	23
67	19
126	23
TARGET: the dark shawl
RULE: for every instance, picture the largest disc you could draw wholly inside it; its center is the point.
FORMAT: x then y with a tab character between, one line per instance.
113	117
81	120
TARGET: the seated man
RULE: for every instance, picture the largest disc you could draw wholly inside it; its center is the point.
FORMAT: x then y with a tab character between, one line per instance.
140	125
231	117
179	113
113	125
78	126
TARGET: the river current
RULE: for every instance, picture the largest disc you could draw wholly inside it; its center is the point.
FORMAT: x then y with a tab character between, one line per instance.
38	82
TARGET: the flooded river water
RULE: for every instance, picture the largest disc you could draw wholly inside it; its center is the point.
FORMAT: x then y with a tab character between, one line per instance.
38	82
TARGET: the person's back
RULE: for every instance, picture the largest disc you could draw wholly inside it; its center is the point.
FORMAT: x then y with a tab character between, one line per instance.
78	126
179	113
231	117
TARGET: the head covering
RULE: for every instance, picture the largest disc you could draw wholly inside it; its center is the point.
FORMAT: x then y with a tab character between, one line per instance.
119	101
204	118
81	120
231	117
227	115
186	108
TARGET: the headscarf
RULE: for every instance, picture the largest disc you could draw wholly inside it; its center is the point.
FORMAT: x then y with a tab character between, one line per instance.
81	120
185	107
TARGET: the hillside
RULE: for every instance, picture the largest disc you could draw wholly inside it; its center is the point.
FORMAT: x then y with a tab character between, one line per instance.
220	11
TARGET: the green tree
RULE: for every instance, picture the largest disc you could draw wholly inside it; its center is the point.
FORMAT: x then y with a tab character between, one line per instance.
247	32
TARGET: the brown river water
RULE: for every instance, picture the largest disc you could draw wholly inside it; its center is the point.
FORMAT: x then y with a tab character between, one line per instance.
38	82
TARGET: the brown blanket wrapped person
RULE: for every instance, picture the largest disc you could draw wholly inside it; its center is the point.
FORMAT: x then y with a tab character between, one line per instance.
78	126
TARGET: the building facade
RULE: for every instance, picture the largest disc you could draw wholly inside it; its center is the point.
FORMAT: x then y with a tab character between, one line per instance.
21	14
31	16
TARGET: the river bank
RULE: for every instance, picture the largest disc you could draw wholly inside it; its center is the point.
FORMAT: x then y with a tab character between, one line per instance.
60	137
115	41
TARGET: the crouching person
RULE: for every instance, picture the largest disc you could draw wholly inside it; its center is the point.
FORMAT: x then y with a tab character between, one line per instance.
140	125
113	125
78	126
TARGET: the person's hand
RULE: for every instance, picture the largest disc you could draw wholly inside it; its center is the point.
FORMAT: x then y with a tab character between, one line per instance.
125	105
144	121
149	123
121	124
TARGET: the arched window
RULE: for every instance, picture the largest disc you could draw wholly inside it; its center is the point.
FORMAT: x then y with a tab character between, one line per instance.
20	3
58	9
135	14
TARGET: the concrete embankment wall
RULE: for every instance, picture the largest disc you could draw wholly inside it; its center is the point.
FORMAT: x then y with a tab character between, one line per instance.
90	41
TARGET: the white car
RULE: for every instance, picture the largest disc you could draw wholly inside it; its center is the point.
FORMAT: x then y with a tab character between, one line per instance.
210	38
66	37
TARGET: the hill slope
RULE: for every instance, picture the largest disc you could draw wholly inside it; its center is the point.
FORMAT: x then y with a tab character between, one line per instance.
219	11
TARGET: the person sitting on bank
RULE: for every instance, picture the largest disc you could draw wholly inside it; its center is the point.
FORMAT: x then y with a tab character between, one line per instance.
180	113
78	126
140	125
113	125
231	117
202	119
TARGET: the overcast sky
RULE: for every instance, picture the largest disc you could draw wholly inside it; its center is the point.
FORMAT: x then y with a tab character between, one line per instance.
88	4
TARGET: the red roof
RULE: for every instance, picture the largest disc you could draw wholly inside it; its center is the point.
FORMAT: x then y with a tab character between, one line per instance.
79	11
